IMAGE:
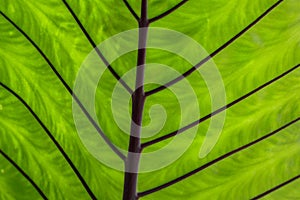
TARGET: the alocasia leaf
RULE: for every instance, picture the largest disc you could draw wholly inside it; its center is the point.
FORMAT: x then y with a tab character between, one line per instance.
255	46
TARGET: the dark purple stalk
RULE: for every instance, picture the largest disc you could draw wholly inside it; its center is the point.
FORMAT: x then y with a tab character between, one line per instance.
138	100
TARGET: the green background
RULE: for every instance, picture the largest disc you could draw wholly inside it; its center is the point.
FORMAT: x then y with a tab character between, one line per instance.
267	50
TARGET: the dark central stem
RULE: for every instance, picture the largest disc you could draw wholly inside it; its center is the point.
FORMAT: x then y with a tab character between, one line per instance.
138	100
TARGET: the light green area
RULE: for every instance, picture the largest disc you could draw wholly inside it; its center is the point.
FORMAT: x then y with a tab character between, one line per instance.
290	191
245	174
270	48
13	184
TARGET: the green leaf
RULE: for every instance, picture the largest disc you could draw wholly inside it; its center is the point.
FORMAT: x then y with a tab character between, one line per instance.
255	47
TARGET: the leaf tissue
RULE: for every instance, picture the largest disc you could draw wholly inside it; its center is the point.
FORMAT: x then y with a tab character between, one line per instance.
197	99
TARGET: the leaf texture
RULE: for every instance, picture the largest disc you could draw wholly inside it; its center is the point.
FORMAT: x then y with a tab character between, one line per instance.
42	47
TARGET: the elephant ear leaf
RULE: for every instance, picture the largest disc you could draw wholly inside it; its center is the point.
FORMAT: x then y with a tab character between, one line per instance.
255	46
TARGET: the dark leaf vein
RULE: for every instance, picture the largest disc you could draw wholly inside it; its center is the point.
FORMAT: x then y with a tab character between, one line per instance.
91	41
166	13
199	169
50	135
276	187
213	54
174	133
92	121
37	188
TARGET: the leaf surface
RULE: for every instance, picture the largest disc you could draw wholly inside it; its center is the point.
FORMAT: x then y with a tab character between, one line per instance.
42	47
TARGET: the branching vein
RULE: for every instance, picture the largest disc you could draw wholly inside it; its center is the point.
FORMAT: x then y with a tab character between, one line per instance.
131	10
174	133
91	41
50	135
199	169
166	13
213	54
89	117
